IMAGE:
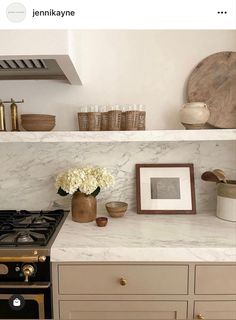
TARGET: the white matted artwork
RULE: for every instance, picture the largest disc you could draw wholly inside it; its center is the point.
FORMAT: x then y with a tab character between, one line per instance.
165	188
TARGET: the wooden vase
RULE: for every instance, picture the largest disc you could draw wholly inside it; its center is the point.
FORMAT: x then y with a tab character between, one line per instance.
84	207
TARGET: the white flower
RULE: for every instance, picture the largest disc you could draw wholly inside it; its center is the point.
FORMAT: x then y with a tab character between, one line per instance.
69	181
89	185
104	178
85	180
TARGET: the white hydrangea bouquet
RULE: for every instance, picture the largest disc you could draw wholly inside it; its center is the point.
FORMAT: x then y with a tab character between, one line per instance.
87	180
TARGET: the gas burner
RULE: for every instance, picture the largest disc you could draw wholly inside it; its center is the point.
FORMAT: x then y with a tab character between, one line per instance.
39	220
6	226
33	220
24	237
21	236
18	228
42	218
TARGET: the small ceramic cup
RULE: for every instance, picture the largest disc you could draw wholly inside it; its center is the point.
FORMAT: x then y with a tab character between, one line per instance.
101	221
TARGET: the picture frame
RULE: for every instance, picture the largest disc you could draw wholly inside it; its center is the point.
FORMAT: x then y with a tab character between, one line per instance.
165	189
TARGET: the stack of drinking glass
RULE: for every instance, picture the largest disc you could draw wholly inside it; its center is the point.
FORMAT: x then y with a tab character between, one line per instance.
112	118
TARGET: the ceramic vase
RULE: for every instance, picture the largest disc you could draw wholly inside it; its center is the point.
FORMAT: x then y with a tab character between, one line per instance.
194	115
84	207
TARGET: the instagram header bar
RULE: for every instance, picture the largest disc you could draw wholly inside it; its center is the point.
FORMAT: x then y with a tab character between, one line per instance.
118	14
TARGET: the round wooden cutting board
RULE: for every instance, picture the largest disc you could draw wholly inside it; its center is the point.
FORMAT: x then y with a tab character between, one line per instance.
213	81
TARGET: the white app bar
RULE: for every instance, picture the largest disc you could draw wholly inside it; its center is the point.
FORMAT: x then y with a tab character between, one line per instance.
118	14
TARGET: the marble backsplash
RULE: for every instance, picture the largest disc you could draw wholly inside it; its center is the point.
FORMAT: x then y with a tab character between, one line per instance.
28	170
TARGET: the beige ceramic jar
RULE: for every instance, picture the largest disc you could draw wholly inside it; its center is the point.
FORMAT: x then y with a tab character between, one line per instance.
226	200
194	115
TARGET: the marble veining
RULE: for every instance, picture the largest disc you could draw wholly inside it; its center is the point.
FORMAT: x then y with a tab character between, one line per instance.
28	170
200	237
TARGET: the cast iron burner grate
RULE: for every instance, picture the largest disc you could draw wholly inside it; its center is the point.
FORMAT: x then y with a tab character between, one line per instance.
25	228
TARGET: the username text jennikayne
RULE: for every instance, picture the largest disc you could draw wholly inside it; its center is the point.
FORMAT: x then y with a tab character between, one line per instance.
53	13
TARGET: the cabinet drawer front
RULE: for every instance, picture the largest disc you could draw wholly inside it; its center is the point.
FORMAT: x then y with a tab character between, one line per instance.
120	310
110	279
215	279
215	310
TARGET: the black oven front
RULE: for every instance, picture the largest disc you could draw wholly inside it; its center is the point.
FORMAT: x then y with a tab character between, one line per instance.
25	289
25	302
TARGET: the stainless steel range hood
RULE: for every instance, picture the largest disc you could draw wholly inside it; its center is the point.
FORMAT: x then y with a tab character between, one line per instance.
46	55
26	69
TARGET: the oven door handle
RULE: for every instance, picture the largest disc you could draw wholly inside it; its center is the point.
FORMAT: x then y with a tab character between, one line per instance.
22	285
27	259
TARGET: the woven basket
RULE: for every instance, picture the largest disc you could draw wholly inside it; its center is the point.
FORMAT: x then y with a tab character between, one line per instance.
114	120
94	121
83	121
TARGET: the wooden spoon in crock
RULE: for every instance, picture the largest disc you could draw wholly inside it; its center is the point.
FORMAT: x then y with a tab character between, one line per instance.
220	175
209	176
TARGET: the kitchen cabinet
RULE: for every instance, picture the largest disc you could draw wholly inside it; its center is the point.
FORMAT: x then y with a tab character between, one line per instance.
215	310
120	310
123	279
215	279
118	291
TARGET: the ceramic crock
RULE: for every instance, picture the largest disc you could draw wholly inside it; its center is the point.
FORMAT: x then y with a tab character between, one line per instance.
226	200
194	115
84	207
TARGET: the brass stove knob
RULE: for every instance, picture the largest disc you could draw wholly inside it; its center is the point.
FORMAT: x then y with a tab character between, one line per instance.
28	271
42	258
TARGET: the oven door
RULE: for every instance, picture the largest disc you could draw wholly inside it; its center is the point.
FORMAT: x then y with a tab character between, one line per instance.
20	301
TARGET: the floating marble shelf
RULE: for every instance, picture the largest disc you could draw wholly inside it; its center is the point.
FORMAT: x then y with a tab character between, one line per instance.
120	136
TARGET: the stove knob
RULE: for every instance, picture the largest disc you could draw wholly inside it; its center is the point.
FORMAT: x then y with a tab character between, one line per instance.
28	271
17	269
42	258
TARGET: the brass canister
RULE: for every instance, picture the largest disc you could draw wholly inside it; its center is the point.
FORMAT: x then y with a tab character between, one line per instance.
2	117
14	117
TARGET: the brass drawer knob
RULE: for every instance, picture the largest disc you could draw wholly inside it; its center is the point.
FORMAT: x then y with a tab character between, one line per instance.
123	282
200	317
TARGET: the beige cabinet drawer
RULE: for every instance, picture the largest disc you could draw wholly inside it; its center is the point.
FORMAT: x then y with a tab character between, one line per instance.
120	310
215	310
215	279
137	279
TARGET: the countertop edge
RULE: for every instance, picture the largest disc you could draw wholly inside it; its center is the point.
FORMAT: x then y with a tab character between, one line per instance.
143	255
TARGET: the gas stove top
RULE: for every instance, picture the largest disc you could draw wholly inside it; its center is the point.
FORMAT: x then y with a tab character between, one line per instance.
26	228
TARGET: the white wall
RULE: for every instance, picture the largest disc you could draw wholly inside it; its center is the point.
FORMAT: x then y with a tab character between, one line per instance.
148	67
38	42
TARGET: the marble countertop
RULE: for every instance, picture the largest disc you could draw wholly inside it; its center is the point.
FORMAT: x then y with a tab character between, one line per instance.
151	238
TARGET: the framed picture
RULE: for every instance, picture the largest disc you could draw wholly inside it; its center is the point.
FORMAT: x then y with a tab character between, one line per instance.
165	188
